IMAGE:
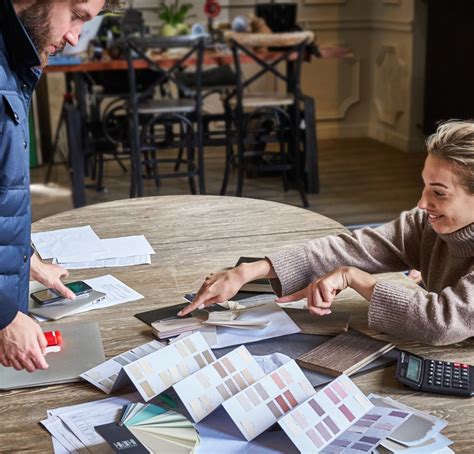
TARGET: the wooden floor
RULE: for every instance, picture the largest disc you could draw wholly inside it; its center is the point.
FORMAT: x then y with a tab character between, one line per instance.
362	182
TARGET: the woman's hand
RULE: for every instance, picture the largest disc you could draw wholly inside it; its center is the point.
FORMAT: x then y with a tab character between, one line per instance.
321	293
50	276
222	286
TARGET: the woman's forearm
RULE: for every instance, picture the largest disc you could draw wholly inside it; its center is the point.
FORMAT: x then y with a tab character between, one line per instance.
256	270
362	282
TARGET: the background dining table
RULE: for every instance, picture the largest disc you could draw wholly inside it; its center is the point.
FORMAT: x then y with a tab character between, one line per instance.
192	236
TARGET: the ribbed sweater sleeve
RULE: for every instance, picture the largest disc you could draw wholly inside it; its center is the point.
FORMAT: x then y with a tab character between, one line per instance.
391	247
434	318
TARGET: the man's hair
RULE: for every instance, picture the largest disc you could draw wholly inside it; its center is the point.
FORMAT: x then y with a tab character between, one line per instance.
454	141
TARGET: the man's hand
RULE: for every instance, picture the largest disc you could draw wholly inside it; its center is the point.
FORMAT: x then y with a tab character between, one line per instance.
321	293
50	276
22	344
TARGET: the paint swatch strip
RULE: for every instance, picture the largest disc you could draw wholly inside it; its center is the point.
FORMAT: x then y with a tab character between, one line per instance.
259	406
203	391
368	431
160	370
104	376
319	420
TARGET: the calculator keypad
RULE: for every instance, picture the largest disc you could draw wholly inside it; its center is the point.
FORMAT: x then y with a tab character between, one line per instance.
448	375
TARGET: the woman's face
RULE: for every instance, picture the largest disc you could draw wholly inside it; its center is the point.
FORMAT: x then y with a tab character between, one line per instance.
448	204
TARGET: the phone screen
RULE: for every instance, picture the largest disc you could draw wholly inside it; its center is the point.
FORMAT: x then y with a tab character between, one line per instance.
79	287
46	295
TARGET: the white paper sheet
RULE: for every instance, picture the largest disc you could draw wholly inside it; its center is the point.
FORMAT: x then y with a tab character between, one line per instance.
438	444
77	422
117	292
419	428
81	419
280	324
269	363
111	248
108	263
66	241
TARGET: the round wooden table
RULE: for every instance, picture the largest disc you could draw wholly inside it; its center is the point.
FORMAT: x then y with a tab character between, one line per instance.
193	235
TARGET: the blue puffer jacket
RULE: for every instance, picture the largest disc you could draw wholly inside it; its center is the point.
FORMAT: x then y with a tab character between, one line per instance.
19	74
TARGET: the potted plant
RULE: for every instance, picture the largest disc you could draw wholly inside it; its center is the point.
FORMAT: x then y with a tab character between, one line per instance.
173	16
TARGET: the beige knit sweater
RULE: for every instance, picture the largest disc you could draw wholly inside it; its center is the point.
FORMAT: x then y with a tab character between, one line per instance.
443	315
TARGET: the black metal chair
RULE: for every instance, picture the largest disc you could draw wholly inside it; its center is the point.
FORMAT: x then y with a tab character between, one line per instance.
151	119
262	118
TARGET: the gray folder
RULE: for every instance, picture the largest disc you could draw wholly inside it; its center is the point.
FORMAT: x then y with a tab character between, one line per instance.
81	350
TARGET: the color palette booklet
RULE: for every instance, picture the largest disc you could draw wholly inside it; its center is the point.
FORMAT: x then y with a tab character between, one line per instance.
153	372
255	401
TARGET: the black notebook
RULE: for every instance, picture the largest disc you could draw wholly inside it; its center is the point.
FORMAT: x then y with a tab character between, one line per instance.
149	317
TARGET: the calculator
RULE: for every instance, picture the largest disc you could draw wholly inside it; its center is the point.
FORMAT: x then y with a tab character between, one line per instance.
434	376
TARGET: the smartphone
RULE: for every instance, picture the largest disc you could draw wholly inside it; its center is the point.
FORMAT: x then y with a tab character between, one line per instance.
49	295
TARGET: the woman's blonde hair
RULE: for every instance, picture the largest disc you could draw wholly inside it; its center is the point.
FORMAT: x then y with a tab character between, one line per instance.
454	141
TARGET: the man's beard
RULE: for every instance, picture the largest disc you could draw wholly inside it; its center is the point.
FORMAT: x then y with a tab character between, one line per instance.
37	21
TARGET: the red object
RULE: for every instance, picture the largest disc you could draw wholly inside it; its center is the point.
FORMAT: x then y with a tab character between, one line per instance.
457	365
212	8
465	366
53	338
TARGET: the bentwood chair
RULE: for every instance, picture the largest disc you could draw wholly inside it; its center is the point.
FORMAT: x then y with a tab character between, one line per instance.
151	118
261	118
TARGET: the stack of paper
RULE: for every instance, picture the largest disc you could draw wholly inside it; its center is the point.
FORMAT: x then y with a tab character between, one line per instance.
171	327
116	292
80	247
72	428
152	427
419	433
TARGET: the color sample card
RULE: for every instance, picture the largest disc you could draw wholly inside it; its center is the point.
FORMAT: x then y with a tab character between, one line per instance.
105	375
205	390
368	431
260	405
160	370
319	420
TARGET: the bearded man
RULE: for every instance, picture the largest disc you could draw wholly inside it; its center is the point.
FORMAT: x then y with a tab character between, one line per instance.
30	31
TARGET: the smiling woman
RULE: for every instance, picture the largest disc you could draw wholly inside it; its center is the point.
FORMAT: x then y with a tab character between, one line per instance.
437	238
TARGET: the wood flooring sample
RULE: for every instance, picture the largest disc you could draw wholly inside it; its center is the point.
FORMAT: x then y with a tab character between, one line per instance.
344	354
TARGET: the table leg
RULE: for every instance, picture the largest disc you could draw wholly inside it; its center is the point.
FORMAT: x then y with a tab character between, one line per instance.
310	146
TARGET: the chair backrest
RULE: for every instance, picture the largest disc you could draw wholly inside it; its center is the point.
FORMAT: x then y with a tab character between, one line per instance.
268	62
137	47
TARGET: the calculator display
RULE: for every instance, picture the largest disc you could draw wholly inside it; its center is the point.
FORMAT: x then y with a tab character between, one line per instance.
413	369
